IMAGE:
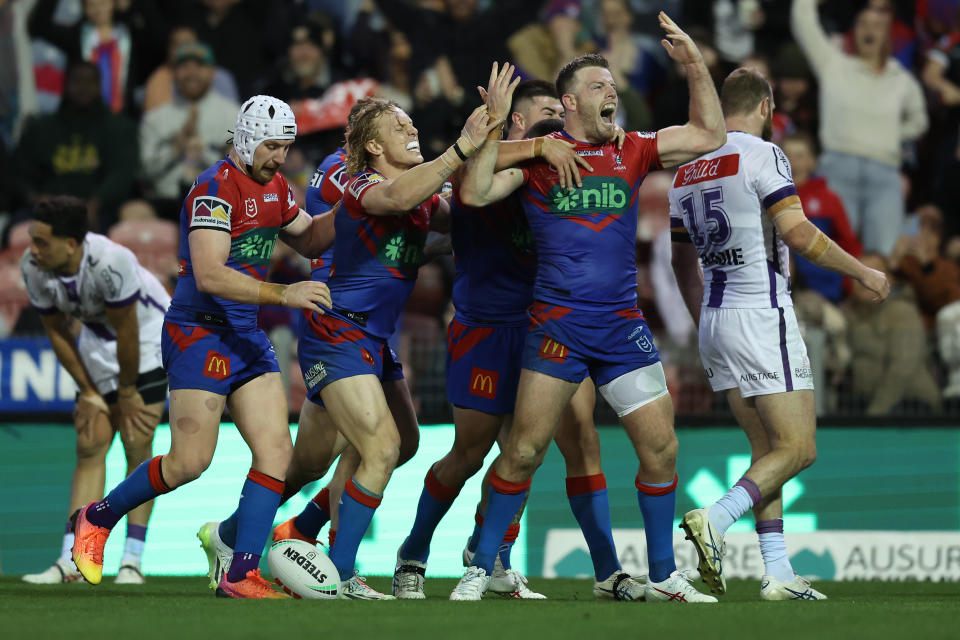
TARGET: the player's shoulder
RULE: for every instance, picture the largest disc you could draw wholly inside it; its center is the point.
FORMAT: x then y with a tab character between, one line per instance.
103	254
29	267
358	183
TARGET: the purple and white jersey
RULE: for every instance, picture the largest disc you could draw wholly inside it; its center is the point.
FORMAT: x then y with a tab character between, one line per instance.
109	276
721	200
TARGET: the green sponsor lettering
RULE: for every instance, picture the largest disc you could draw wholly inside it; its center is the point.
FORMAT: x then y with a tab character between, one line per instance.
402	250
599	194
254	247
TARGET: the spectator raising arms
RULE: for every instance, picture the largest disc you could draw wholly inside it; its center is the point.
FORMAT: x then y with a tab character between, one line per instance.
869	106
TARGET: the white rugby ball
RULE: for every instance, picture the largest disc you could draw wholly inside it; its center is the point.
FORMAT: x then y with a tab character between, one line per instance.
303	570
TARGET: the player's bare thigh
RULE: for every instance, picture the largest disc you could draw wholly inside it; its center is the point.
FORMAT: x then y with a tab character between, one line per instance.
541	400
400	403
745	411
359	409
318	444
789	419
650	428
259	409
577	436
194	426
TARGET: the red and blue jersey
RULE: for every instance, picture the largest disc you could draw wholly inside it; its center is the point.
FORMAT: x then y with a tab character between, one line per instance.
495	262
225	199
325	190
375	258
586	237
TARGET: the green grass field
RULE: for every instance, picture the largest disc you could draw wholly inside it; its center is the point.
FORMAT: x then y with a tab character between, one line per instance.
174	608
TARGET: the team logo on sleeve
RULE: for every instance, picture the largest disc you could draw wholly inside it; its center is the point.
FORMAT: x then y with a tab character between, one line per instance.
210	212
364	182
783	165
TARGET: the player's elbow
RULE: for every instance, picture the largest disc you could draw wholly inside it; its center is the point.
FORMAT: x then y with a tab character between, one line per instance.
471	197
711	139
206	280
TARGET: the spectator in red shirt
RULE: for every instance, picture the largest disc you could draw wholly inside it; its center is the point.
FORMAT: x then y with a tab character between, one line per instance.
824	209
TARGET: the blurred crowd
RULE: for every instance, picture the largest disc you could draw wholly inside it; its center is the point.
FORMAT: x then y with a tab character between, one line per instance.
124	102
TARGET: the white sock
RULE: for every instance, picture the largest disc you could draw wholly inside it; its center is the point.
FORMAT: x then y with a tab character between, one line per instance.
776	562
66	551
729	508
132	551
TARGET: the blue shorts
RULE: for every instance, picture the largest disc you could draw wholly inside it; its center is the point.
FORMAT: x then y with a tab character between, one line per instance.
483	366
571	344
214	360
331	349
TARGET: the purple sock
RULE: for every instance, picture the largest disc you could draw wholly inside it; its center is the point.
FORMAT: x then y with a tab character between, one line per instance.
136	531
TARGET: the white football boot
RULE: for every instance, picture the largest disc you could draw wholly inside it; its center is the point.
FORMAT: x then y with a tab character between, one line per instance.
710	548
797	589
618	586
675	588
62	572
509	583
129	574
219	555
408	578
472	585
356	588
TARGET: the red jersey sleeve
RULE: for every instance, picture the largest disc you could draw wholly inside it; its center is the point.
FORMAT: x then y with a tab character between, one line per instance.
645	153
289	209
334	182
210	205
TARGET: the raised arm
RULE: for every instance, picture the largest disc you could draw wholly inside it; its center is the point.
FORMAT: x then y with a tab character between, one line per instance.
705	130
311	236
399	195
809	34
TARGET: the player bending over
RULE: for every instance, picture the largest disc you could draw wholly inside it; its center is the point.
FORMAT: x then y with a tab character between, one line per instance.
212	349
72	273
737	210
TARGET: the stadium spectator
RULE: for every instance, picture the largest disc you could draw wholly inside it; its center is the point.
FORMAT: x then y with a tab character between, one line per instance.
124	39
869	106
934	278
82	150
941	76
796	97
824	209
311	59
889	350
161	88
179	139
18	91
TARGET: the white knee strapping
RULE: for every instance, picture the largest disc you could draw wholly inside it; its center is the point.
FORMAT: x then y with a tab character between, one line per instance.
635	388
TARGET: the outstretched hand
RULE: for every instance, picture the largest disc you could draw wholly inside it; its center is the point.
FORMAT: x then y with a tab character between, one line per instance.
478	125
678	44
499	92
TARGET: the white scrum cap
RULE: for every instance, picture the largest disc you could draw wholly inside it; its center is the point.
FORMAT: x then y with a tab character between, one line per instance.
262	118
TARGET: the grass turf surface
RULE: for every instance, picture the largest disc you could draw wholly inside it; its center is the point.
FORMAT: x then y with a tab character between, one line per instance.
172	608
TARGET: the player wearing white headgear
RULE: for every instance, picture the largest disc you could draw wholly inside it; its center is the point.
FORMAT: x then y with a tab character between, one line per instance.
212	349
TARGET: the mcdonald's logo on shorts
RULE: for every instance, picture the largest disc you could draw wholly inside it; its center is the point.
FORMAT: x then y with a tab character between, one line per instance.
367	357
217	366
552	350
483	383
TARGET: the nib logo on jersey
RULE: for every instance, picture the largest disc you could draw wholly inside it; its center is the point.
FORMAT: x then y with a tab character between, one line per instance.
255	246
601	198
402	250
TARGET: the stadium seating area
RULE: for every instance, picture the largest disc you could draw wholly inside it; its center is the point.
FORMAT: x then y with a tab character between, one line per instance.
170	68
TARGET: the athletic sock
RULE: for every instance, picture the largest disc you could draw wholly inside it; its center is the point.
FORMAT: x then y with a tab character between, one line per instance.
728	509
144	484
314	515
357	506
435	501
506	545
591	507
505	498
475	536
658	503
133	548
773	548
66	548
228	529
259	500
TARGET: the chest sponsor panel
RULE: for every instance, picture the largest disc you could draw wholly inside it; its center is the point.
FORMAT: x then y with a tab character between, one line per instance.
402	250
605	195
255	246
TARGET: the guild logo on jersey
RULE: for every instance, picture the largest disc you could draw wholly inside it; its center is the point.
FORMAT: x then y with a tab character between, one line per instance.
603	195
708	169
483	383
250	207
216	366
552	350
